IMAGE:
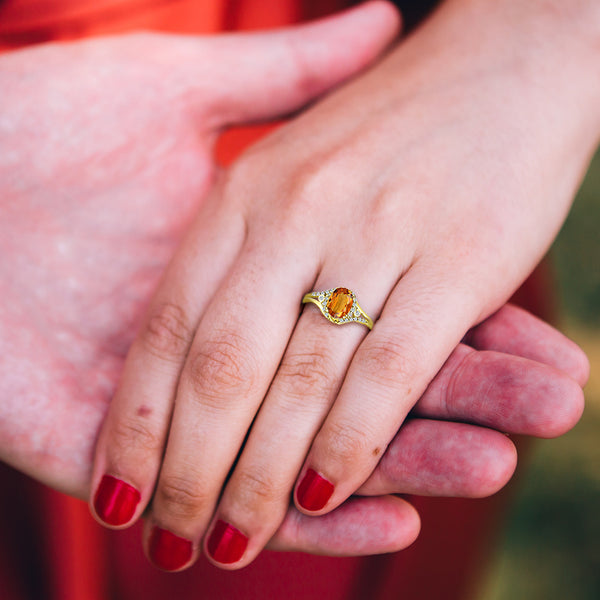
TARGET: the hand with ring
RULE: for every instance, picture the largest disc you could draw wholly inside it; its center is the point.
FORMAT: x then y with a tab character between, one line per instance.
407	189
81	259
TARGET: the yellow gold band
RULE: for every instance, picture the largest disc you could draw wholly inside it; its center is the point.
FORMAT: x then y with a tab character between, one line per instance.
339	305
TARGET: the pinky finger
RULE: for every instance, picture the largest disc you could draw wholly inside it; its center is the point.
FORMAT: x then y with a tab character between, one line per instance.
358	527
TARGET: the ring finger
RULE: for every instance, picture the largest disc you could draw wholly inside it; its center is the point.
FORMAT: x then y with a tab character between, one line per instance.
417	330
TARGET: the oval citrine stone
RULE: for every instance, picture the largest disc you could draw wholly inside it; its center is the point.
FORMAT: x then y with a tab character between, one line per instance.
340	303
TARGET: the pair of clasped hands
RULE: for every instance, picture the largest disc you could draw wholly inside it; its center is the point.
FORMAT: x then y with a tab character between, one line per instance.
160	361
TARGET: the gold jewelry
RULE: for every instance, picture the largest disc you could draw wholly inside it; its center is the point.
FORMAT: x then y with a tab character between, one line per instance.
339	305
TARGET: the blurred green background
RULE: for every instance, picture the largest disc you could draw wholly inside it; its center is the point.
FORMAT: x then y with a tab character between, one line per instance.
550	547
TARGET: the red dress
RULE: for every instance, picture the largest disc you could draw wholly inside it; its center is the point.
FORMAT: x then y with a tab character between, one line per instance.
51	548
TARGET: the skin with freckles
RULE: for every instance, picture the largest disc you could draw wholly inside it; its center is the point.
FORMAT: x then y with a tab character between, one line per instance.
89	224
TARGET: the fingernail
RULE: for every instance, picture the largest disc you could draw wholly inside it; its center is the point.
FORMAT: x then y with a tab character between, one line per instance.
115	501
314	491
168	551
226	544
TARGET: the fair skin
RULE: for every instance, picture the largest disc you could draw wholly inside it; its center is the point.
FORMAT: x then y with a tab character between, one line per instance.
431	185
81	272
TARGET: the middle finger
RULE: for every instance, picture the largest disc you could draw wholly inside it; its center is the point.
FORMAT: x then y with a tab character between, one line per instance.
235	352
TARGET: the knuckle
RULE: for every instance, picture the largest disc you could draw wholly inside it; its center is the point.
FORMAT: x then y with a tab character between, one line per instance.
305	188
382	206
347	443
310	373
181	497
306	185
389	362
223	368
130	434
297	211
307	182
167	333
255	488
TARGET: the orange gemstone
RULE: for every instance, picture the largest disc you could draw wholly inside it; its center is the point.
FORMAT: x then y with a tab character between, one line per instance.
340	303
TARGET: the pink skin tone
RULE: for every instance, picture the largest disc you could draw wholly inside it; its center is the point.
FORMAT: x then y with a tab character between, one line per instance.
97	190
89	224
431	185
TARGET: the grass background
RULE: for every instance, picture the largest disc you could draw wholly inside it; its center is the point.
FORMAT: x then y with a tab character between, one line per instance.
550	547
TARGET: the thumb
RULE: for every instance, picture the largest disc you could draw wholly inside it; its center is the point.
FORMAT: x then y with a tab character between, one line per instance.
258	76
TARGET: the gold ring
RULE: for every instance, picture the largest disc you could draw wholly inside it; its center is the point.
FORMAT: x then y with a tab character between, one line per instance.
339	305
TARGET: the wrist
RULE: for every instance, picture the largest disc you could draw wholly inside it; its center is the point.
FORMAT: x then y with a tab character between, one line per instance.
545	53
565	51
569	34
557	45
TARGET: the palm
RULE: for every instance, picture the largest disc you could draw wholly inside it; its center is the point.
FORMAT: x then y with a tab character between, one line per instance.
89	232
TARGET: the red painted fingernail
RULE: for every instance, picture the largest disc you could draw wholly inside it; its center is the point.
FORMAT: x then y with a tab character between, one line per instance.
168	551
115	501
226	544
314	491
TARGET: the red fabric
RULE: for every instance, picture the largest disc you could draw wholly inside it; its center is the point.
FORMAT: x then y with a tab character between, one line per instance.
49	545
